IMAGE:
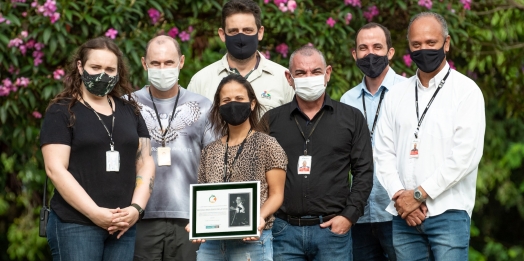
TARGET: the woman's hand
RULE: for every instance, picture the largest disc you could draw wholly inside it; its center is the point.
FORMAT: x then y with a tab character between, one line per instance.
104	217
194	241
261	226
123	223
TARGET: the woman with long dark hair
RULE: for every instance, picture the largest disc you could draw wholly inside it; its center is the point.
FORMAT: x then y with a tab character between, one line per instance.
97	154
235	118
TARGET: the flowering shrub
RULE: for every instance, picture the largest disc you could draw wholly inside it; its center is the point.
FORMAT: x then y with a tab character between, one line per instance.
37	38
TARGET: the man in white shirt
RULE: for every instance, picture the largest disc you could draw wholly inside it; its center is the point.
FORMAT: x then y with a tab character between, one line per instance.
441	112
241	30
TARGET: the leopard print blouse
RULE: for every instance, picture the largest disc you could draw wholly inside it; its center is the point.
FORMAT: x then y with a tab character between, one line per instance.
261	153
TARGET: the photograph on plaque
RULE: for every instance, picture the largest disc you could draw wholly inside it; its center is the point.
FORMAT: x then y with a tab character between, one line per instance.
224	210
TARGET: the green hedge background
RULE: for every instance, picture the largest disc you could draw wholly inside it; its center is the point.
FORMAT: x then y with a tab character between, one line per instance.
37	38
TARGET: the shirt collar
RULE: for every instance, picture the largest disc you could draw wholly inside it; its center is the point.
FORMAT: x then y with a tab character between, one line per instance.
263	65
328	104
388	81
433	82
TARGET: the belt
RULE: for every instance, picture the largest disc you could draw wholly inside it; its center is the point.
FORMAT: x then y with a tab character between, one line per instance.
297	221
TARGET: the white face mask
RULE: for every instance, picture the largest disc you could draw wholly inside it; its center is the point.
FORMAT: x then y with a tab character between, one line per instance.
163	79
309	88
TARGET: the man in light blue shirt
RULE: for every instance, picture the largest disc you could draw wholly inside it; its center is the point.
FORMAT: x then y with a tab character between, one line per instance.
372	235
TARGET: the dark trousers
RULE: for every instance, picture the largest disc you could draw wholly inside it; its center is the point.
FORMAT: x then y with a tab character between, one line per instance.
373	241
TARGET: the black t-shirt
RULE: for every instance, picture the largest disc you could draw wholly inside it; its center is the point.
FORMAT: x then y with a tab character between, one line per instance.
89	142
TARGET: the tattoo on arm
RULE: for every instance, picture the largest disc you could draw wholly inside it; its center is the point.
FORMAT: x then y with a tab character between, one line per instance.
144	146
151	184
139	181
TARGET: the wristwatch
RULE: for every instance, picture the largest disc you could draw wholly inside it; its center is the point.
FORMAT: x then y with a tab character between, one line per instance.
141	212
417	194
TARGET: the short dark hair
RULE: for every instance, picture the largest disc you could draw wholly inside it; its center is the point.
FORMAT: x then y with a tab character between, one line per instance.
241	7
218	125
373	25
160	41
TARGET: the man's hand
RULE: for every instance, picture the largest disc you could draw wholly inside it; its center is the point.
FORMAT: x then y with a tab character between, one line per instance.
416	217
339	225
405	203
261	226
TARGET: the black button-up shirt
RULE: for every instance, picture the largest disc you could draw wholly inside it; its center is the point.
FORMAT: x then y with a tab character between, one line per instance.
339	144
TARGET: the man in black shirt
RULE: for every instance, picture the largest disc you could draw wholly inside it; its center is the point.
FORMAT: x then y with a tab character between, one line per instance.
319	207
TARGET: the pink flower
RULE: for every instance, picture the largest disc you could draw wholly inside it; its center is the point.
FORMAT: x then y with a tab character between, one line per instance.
4	91
266	1
58	73
348	18
30	44
309	44
407	60
330	21
452	65
173	32
54	17
7	83
267	54
111	33
37	61
184	36
34	4
370	13
282	49
282	7
49	8
39	46
278	2
154	15
37	114
403	74
353	2
24	14
190	29
15	42
292	5
425	3
13	70
23	49
22	82
23	34
466	4
38	54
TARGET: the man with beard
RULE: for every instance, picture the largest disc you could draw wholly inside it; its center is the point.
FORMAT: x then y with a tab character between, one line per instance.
241	30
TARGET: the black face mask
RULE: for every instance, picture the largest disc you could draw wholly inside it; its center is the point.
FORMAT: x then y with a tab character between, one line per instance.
373	65
235	113
99	84
428	60
242	46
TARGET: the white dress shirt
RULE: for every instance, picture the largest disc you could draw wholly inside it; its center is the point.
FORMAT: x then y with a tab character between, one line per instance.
450	141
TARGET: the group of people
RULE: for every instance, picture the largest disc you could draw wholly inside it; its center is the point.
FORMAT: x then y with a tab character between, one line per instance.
338	180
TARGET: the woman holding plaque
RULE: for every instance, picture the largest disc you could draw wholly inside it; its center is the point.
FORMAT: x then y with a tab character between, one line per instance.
244	153
97	154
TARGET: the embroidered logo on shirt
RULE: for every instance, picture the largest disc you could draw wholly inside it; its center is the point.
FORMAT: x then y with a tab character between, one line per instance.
266	95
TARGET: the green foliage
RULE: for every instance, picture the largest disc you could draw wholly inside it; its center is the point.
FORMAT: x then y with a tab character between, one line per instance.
487	44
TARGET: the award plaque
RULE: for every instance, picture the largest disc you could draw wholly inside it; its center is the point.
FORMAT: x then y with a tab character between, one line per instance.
224	210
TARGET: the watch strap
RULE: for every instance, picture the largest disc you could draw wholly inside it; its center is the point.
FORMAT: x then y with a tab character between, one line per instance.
140	211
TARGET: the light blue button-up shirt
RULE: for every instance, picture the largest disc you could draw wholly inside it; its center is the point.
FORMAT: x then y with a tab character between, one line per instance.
375	210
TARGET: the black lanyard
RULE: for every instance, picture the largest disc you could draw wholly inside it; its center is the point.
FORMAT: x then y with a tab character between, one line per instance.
376	114
226	176
429	103
310	133
158	116
110	134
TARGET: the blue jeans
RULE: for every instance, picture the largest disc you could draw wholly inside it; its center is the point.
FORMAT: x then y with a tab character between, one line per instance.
237	249
309	243
442	237
70	241
373	241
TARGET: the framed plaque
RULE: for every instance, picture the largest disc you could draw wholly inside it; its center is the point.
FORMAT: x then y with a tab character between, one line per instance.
224	210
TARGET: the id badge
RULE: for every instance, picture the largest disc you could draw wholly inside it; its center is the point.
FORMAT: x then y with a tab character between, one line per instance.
112	161
163	155
413	153
304	165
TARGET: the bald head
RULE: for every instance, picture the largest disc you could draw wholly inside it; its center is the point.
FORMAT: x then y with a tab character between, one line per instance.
424	16
163	40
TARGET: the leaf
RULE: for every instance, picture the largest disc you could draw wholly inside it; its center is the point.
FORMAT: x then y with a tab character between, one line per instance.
47	35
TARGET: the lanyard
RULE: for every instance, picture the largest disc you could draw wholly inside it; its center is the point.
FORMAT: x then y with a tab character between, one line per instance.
429	103
310	133
112	144
376	114
226	176
158	116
